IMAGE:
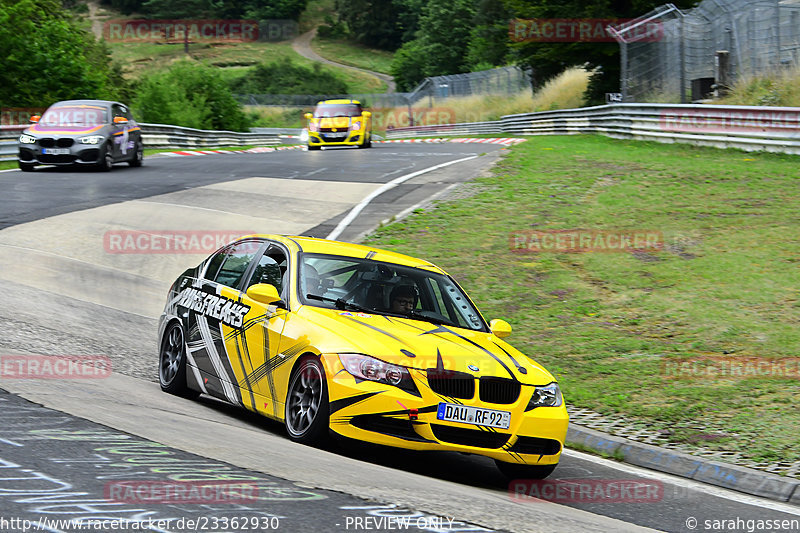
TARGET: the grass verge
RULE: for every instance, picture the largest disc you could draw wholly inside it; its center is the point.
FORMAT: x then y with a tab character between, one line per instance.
353	54
725	288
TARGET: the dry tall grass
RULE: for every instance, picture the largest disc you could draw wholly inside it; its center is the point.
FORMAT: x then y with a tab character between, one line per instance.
774	89
562	92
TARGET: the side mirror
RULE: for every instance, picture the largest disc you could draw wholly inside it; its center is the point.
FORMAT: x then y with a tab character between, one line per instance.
36	118
266	294
366	114
501	328
120	120
308	115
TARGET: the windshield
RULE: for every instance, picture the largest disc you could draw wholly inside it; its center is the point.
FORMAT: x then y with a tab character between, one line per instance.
83	115
337	110
385	288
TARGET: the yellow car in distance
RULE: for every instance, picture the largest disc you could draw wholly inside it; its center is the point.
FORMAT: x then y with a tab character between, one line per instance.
339	123
332	337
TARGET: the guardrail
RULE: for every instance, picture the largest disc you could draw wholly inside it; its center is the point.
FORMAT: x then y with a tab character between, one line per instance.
161	136
771	129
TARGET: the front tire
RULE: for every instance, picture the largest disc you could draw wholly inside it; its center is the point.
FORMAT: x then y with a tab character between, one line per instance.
106	161
518	471
307	412
138	156
314	147
172	363
26	167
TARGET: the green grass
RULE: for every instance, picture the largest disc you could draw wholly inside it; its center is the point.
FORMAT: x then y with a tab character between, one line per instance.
726	284
353	54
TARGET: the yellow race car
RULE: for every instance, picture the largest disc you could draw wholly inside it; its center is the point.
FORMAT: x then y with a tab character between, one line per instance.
339	123
328	336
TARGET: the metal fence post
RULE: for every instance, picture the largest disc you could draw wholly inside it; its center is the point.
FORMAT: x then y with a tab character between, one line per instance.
623	76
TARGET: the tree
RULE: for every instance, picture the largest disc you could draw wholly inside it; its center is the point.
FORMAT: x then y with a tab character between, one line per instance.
443	36
371	22
549	59
47	57
190	95
286	77
489	41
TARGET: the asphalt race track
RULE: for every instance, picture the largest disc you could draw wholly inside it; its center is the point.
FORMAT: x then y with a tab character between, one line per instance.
69	288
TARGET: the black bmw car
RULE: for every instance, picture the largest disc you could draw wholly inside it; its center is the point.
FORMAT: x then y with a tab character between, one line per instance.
96	133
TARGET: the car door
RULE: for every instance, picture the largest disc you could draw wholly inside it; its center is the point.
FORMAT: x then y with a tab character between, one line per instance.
258	348
216	319
120	132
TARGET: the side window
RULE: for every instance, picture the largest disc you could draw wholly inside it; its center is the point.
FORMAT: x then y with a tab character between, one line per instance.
117	111
270	269
215	263
234	263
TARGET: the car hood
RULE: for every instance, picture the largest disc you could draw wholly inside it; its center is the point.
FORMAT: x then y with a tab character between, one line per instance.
422	345
336	122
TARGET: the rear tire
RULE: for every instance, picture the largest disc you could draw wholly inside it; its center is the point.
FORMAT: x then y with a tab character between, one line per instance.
172	363
26	167
518	471
307	415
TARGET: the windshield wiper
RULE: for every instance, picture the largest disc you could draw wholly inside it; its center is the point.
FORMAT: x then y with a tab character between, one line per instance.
416	315
340	303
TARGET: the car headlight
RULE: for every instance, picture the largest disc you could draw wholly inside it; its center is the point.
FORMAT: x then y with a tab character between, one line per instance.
304	136
313	126
371	369
547	396
91	139
355	126
26	139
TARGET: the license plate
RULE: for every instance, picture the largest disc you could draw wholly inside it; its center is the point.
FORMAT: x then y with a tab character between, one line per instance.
336	135
466	414
55	151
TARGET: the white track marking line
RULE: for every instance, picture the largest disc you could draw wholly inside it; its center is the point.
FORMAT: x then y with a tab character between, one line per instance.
382	189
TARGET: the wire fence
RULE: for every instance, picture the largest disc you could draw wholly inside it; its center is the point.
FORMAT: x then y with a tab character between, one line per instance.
504	80
671	55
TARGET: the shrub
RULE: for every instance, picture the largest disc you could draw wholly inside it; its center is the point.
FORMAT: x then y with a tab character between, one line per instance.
190	95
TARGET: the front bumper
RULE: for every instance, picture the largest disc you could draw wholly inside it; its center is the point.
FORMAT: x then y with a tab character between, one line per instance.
76	154
323	139
387	415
